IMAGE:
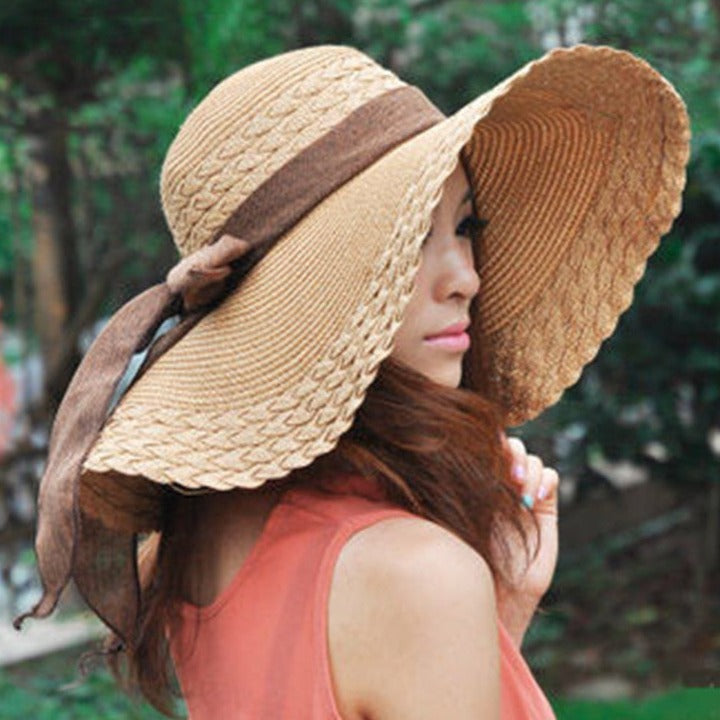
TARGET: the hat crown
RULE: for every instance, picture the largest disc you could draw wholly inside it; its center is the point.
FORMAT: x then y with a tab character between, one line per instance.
251	124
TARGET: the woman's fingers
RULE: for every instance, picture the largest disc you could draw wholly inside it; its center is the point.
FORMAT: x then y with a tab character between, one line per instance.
547	496
536	483
519	460
532	481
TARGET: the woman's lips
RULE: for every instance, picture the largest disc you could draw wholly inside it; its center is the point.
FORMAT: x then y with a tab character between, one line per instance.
453	338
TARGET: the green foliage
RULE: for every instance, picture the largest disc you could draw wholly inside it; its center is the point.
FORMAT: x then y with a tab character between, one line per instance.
6	229
677	705
118	151
50	690
220	37
66	46
454	50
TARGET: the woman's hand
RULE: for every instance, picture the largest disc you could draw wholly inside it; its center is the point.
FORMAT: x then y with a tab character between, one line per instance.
537	490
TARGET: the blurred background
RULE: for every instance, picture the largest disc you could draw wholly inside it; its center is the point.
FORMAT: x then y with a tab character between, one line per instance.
92	92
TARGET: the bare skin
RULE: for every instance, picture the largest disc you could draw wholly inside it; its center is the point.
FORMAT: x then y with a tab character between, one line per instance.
230	524
426	613
445	284
423	616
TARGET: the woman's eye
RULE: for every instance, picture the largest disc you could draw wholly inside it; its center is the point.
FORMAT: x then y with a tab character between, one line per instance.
471	226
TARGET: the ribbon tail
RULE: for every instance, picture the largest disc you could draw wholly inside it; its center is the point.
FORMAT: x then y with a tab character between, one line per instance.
78	422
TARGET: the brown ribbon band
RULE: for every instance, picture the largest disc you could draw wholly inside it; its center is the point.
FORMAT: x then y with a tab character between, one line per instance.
308	178
345	150
65	535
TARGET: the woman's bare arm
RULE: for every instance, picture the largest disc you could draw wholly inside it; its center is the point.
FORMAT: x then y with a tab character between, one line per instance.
412	626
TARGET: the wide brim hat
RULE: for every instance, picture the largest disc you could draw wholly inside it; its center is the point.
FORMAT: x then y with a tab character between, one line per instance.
577	162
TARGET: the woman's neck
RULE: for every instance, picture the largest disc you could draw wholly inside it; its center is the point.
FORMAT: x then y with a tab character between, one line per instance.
227	526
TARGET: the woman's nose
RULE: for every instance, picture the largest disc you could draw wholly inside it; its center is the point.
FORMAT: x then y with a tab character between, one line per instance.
460	278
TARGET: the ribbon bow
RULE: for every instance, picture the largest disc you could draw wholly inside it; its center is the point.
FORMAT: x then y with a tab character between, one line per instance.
192	287
199	277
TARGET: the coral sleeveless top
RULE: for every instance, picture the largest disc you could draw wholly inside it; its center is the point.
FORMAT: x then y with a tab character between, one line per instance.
259	651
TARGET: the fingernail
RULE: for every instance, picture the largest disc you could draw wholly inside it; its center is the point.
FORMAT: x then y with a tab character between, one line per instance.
542	492
527	501
519	472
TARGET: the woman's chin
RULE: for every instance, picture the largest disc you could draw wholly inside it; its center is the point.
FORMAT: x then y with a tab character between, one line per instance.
447	373
449	376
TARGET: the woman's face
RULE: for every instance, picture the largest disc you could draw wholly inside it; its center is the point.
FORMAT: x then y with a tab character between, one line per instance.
432	338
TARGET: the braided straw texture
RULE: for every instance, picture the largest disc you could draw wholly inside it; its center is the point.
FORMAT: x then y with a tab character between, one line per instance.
290	405
251	124
561	269
271	379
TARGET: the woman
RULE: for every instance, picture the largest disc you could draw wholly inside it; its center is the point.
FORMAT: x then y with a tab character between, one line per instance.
347	348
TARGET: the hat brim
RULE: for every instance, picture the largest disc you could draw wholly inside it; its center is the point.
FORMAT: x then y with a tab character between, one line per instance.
577	161
571	223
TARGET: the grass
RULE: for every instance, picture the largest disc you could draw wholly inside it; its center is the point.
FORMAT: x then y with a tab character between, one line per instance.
681	704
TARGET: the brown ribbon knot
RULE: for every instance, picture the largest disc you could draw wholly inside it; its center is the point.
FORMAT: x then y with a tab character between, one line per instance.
199	278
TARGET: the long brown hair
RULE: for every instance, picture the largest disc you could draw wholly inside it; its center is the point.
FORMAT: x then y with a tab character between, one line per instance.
434	450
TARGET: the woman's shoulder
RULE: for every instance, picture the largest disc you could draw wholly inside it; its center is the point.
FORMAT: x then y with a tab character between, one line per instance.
413	548
411	600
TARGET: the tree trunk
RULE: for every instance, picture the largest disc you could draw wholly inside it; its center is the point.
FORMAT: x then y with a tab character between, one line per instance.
56	275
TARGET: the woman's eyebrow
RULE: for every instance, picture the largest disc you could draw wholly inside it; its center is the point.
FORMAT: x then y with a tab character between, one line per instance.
468	196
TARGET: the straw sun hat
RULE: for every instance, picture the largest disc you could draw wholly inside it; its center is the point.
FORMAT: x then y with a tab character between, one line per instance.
328	167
